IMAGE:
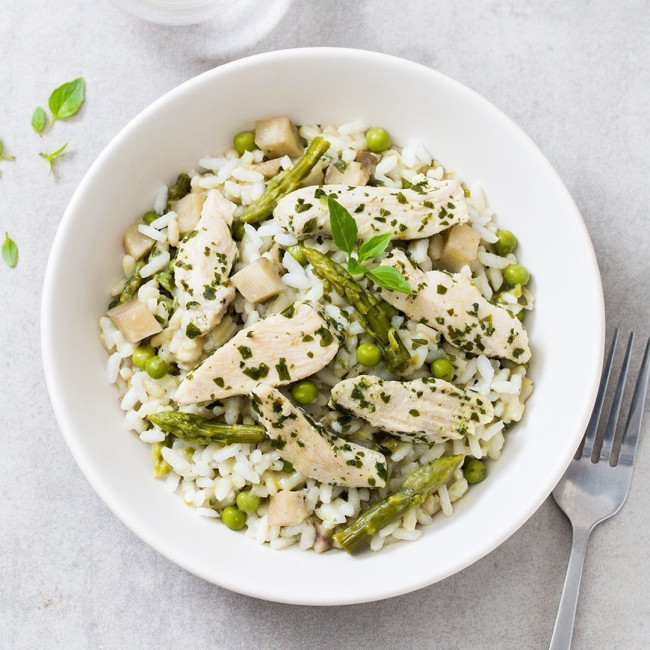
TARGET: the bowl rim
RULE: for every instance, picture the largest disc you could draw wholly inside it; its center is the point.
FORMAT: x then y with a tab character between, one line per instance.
82	457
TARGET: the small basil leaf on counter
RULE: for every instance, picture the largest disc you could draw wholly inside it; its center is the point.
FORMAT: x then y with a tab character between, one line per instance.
39	120
67	99
51	157
9	251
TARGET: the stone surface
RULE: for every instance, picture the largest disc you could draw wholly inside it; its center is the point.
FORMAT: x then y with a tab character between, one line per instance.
573	75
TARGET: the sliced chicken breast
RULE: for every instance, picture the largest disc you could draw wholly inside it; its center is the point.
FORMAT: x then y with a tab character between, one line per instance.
452	305
431	410
311	448
407	214
277	350
205	258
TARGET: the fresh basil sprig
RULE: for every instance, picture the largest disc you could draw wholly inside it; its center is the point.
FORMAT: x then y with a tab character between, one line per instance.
39	120
9	251
51	157
67	99
344	233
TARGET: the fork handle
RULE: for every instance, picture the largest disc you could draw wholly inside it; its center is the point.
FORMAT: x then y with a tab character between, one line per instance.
563	631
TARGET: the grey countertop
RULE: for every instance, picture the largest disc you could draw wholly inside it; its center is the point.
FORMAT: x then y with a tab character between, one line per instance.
574	75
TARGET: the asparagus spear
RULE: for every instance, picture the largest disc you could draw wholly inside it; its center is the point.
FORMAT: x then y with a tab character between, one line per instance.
416	488
285	182
179	189
132	284
194	428
371	312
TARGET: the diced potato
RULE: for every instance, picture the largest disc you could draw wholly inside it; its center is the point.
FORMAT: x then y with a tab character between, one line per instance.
354	173
188	210
277	137
369	160
287	508
460	248
136	244
315	176
258	281
268	168
134	320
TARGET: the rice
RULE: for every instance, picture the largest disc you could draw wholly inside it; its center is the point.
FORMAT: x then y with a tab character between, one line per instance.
209	477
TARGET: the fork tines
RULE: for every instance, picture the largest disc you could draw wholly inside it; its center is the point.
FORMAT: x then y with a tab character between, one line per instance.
630	436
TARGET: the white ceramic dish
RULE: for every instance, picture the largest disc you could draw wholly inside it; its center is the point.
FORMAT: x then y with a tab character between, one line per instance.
332	86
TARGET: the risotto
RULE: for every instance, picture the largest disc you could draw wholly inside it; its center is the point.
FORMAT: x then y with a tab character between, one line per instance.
312	321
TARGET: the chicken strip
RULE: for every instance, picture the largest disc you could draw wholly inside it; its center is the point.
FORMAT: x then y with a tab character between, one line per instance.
277	350
407	214
430	410
452	305
311	448
202	266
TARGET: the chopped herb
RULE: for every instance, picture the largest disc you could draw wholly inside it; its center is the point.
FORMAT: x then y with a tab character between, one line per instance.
245	352
283	371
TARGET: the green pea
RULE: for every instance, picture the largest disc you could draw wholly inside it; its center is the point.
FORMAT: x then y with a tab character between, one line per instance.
150	217
442	369
474	470
156	367
244	141
141	355
506	242
238	230
368	354
233	517
377	140
248	502
305	392
516	274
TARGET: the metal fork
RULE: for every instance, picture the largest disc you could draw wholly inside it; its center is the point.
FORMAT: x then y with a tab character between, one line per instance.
593	490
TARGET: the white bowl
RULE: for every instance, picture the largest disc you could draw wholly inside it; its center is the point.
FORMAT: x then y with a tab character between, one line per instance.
329	86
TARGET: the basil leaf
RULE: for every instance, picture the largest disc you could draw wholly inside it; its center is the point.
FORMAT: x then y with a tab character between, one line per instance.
39	120
51	157
9	251
343	226
374	246
2	156
355	267
67	99
391	278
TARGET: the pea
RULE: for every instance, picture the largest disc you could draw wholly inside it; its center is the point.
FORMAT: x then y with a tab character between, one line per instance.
506	242
442	369
233	517
305	392
141	355
368	354
156	367
474	470
248	502
244	141
516	274
378	140
238	230
150	217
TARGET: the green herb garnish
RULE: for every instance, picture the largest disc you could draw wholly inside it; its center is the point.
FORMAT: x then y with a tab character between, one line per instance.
52	157
67	99
39	120
2	154
344	233
9	251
